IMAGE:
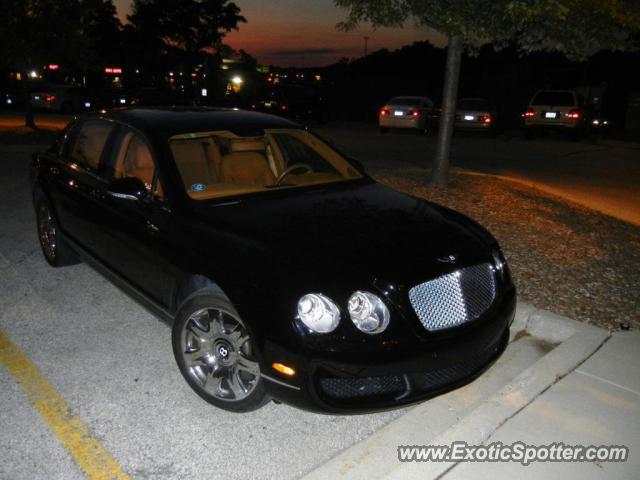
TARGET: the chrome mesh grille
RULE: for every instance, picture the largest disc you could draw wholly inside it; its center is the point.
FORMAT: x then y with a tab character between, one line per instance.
455	298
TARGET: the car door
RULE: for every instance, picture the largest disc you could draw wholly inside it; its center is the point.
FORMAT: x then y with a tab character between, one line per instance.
137	229
77	183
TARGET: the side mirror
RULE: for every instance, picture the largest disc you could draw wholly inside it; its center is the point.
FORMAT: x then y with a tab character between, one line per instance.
129	188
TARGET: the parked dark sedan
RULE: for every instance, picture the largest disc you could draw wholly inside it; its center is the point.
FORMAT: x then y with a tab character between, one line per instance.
285	271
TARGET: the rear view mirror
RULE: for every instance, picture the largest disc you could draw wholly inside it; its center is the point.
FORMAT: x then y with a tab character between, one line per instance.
129	188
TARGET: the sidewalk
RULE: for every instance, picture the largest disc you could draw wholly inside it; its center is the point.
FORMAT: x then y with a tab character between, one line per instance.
596	404
584	391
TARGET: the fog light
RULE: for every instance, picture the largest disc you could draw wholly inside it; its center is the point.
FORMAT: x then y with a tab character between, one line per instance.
284	369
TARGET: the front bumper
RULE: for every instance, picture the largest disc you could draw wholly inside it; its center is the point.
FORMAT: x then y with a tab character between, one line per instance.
392	379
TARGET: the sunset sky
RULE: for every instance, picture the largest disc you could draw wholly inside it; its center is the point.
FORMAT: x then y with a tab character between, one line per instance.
303	33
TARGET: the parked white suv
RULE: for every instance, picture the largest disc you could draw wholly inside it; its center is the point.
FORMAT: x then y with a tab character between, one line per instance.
554	109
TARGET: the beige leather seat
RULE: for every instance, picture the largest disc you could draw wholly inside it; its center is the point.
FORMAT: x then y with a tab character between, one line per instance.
197	161
246	164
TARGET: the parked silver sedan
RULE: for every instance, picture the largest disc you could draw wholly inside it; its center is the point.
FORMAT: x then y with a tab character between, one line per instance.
406	112
475	114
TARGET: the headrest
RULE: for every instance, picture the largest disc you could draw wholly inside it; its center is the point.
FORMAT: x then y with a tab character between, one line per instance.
247	146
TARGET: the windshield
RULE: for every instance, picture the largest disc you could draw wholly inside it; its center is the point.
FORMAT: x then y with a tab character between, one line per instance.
220	164
558	99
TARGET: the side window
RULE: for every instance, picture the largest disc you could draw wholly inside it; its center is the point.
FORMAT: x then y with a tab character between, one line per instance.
89	143
135	160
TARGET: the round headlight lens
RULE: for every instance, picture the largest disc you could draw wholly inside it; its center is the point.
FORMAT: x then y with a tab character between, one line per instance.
368	312
318	313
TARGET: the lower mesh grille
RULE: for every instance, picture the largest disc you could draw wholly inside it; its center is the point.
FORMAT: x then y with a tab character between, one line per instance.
455	298
436	379
394	386
345	388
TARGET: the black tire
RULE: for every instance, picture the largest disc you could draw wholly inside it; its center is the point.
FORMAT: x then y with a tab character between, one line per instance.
384	129
529	134
209	369
55	250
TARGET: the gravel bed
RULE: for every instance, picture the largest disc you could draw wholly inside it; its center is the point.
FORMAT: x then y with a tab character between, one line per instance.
564	258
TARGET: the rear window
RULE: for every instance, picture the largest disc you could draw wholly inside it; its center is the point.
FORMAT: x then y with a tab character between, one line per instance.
474	104
558	99
405	101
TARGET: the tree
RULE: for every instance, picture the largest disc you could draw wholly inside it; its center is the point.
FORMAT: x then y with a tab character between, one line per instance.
191	25
188	31
38	32
578	28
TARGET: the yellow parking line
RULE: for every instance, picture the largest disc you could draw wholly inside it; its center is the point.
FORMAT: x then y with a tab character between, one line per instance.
90	455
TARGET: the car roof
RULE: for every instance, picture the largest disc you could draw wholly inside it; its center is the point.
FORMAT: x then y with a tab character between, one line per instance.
169	121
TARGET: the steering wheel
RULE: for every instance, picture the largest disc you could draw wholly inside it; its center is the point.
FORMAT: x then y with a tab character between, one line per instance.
290	169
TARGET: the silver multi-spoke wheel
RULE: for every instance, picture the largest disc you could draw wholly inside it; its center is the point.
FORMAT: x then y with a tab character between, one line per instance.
47	231
217	354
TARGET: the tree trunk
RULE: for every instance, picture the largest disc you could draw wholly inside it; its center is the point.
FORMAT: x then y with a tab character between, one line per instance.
440	171
29	120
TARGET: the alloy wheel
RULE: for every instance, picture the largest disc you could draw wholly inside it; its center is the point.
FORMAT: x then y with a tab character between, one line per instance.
218	356
47	231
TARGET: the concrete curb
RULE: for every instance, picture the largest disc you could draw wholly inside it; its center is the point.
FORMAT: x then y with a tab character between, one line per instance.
575	343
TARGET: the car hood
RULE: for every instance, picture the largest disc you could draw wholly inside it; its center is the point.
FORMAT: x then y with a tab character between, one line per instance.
334	232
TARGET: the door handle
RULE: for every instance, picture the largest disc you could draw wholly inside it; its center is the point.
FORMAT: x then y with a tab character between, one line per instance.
151	226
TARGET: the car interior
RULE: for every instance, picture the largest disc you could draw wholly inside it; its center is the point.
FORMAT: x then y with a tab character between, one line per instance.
220	163
135	160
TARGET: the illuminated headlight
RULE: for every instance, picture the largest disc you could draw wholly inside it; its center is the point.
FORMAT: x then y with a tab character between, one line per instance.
368	312
318	313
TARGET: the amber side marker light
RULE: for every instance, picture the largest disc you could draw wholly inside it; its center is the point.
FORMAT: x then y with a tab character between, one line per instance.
283	369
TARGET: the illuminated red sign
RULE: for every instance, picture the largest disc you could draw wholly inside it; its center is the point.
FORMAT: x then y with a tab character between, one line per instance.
54	66
113	70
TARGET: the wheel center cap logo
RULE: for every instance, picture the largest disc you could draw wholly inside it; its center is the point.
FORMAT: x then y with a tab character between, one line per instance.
223	351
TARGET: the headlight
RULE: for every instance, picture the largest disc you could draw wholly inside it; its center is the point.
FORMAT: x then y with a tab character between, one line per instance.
368	312
318	313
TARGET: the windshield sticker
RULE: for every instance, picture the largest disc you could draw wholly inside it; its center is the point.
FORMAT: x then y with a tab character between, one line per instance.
198	187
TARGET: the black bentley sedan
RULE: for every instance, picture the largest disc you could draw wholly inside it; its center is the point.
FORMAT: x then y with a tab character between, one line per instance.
285	271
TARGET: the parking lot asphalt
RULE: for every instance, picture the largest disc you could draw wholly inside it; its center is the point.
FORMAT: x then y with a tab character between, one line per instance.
111	361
